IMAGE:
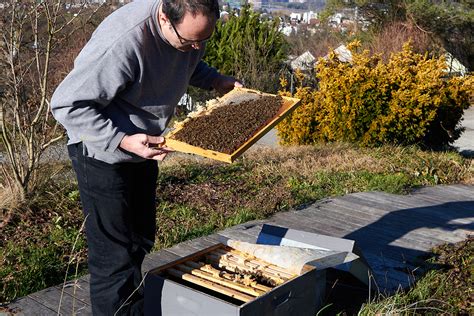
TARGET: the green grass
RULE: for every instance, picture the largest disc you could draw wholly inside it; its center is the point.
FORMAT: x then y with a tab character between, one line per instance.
197	198
180	223
323	184
39	263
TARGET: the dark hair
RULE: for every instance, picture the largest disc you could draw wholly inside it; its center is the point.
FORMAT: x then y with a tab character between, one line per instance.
176	9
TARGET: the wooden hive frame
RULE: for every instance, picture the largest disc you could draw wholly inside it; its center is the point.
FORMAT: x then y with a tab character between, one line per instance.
289	104
228	272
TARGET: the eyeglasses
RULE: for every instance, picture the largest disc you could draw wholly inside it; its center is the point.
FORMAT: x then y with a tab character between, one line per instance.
185	41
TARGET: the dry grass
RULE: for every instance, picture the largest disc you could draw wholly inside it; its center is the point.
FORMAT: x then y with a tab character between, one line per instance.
305	160
447	167
391	38
9	198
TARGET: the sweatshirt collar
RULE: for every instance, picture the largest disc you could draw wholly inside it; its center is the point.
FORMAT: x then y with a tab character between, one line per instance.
156	22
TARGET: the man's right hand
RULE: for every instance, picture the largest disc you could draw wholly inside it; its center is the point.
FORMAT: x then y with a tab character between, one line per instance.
146	146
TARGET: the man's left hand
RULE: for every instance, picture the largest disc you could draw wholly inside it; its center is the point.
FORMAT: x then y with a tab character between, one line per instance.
224	84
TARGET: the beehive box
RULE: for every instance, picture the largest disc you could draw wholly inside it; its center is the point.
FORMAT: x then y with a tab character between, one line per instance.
236	97
223	281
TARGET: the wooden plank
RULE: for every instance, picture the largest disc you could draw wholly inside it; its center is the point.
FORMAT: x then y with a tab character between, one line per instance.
456	192
27	306
463	189
444	235
443	216
370	210
78	288
399	224
389	232
189	247
395	230
394	272
465	204
68	305
386	284
370	243
362	204
317	216
148	264
399	202
325	214
443	197
382	201
241	233
288	220
192	256
161	258
316	226
384	235
432	214
413	202
328	214
437	199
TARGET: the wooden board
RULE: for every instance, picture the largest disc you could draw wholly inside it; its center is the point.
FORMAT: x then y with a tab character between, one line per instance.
27	306
67	305
289	105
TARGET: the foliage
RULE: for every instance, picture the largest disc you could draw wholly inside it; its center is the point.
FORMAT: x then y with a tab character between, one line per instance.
405	101
250	48
42	241
39	263
455	32
377	12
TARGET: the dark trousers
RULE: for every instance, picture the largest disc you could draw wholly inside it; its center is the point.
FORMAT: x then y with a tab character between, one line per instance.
119	204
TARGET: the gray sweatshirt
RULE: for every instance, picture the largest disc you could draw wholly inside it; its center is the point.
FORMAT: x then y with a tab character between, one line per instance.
126	80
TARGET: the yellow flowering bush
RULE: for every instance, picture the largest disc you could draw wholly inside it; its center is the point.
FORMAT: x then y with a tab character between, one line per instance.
407	100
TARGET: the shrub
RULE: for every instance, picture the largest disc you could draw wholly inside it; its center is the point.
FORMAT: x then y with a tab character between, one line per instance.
407	100
250	48
39	42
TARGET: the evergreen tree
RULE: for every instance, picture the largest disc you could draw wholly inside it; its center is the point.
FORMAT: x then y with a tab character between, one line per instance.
250	48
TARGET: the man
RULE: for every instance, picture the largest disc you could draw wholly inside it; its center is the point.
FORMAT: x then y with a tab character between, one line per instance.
114	104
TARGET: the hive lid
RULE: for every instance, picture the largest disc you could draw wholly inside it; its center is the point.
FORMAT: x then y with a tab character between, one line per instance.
294	259
234	97
282	236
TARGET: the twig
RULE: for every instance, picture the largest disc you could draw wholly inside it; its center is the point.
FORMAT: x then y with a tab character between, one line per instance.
70	261
128	298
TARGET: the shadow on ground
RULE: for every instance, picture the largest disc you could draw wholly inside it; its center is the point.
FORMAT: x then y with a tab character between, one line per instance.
345	293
